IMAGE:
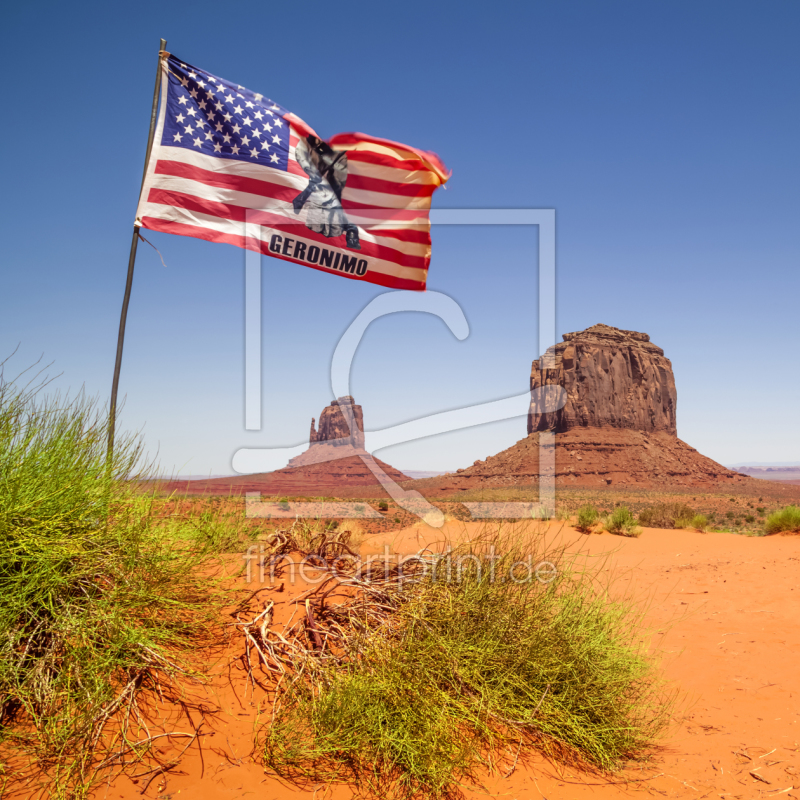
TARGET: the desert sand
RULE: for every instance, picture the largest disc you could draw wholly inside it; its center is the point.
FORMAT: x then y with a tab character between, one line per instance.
725	611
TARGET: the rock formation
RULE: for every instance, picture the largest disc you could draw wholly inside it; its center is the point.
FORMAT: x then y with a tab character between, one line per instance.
617	427
335	462
340	424
613	379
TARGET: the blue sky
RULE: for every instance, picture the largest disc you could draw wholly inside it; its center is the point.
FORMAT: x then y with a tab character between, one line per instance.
664	135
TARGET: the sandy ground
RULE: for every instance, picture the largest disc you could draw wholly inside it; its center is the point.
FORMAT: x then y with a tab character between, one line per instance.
728	608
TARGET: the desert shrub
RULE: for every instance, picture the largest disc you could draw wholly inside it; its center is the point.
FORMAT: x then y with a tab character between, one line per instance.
787	519
760	510
667	515
383	505
699	522
622	522
587	516
463	670
730	514
96	600
749	518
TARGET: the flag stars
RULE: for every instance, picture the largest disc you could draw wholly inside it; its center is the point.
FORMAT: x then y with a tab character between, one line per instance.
235	150
236	129
255	134
209	135
191	111
219	106
177	137
247	121
265	145
248	104
229	98
258	115
184	82
276	139
201	83
245	140
254	153
227	117
180	118
227	138
259	97
198	142
188	129
192	75
274	158
268	127
278	123
183	100
237	109
219	128
202	104
210	116
193	93
217	147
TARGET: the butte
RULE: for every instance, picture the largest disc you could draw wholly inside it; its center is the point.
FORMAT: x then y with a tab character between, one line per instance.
617	427
335	460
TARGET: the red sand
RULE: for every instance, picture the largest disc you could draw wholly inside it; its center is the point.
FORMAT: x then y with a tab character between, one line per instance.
729	607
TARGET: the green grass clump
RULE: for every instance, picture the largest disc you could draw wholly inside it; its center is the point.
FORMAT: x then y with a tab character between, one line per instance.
699	522
787	519
622	522
667	515
96	601
479	659
587	517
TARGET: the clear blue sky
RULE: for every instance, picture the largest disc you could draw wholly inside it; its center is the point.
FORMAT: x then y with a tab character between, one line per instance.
665	135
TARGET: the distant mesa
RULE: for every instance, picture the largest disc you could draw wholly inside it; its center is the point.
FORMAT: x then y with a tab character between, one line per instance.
335	459
616	428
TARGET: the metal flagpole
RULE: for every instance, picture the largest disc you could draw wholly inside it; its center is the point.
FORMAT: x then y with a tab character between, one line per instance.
112	414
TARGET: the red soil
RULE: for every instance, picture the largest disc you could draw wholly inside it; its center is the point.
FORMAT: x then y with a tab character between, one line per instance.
726	609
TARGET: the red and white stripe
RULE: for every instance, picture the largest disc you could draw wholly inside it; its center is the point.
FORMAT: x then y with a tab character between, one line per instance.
387	194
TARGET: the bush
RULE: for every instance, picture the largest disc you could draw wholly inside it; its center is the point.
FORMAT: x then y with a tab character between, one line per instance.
587	517
699	522
383	506
622	522
667	515
96	601
447	674
787	519
749	518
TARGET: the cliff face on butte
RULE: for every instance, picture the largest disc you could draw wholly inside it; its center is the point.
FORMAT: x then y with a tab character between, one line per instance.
335	460
613	379
340	424
617	426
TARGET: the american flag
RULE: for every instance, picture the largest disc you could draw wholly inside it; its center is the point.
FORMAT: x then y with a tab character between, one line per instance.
229	165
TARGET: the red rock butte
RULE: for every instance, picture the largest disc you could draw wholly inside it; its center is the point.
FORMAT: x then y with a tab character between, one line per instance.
617	426
335	460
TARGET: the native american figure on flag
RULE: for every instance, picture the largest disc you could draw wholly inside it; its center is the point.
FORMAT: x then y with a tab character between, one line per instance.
322	198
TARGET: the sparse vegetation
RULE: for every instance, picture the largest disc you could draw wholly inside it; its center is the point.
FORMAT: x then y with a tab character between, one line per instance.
383	505
667	515
99	590
587	517
622	522
422	682
787	519
699	522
